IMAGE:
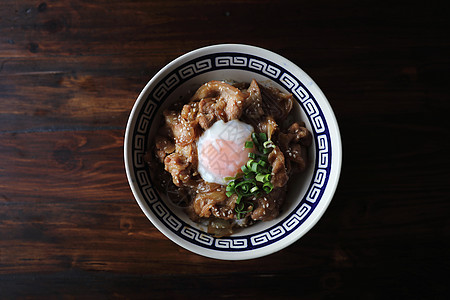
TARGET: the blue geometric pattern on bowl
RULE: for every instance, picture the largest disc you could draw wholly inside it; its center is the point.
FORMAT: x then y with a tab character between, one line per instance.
272	71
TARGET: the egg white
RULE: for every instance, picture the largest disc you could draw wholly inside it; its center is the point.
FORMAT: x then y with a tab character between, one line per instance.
235	131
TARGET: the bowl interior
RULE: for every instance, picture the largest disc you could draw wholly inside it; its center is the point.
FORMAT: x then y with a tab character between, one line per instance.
297	185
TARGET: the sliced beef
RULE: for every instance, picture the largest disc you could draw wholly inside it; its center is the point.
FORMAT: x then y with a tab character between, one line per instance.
268	206
293	143
205	204
268	126
218	100
180	169
276	103
183	131
279	174
253	106
163	147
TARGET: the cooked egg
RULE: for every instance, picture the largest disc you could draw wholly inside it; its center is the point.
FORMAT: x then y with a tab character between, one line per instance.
221	150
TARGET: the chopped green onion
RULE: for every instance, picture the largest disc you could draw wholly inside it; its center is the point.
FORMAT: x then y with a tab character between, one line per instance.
268	187
240	209
256	174
254	189
250	163
239	199
260	177
255	138
242	183
248	176
262	163
268	144
262	137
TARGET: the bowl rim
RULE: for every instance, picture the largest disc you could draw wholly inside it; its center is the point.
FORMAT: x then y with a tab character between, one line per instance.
330	120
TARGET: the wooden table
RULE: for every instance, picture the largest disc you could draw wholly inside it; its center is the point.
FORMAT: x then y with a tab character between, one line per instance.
70	72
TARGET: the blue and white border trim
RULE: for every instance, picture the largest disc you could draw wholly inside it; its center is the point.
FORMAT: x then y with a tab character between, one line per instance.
272	71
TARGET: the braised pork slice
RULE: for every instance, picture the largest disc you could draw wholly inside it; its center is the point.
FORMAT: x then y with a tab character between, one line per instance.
218	100
293	143
163	147
276	103
269	126
253	106
183	131
268	206
180	169
279	175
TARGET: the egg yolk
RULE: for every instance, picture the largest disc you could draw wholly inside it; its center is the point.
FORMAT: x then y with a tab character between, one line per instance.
224	158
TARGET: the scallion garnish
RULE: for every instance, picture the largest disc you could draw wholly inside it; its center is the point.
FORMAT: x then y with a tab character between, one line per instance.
262	177
262	163
240	209
262	137
254	167
254	189
255	138
256	177
268	144
267	150
268	187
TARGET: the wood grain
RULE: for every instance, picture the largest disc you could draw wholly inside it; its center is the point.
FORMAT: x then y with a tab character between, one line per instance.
70	72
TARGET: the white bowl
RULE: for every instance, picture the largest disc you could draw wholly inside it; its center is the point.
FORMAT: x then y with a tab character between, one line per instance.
309	194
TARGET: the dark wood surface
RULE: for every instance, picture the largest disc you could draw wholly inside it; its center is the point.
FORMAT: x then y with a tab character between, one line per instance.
70	72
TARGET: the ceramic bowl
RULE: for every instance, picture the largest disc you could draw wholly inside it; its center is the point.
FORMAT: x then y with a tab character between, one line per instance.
309	194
